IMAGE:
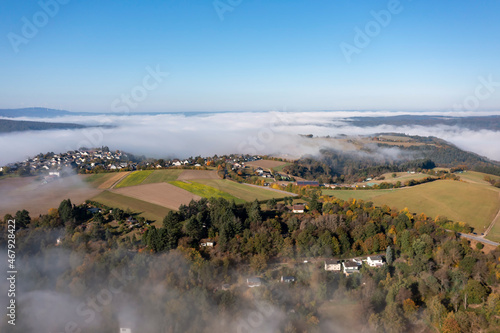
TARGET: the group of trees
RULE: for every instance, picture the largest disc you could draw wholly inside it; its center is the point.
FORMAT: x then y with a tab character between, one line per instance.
338	166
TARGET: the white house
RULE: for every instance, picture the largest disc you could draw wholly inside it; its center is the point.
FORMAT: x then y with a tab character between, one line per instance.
375	261
332	265
254	282
298	208
207	243
287	279
350	267
357	261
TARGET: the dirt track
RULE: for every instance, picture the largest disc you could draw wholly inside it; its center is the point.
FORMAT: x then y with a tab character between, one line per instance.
162	194
110	183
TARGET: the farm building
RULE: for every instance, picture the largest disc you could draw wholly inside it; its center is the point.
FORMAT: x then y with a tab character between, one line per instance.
307	183
298	208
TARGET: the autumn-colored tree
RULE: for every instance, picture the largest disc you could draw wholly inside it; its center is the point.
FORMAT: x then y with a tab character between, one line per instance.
450	324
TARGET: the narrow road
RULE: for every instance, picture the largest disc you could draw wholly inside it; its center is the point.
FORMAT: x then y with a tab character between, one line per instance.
119	180
479	239
272	189
495	220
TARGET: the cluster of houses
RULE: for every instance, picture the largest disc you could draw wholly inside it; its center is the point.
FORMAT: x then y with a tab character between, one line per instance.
352	265
268	174
347	267
88	159
262	173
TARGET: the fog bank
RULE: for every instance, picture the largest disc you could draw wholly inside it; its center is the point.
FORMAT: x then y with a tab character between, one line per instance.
183	135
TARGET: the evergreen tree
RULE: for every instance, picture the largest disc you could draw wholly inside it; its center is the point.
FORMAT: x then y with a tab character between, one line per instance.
389	255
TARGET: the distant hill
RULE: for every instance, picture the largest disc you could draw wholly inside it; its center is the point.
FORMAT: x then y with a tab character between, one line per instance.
7	126
473	123
386	152
36	112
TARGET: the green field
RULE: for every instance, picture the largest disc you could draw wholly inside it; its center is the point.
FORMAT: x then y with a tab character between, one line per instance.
162	176
459	201
135	178
205	191
494	233
280	168
400	176
241	191
148	210
477	177
97	179
355	194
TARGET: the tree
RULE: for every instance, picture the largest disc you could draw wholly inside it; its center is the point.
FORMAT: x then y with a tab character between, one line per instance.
389	255
314	204
271	203
171	231
475	291
254	212
450	324
66	210
22	218
258	262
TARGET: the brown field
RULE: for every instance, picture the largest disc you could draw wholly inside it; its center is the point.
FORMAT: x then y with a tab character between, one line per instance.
112	180
162	194
37	198
198	174
265	164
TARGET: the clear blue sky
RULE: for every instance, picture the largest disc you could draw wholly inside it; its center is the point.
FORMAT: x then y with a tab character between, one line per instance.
265	54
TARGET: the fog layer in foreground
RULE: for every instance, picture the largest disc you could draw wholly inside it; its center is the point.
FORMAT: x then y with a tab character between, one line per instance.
183	135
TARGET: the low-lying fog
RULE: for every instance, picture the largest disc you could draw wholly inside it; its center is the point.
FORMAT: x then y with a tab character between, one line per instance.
183	135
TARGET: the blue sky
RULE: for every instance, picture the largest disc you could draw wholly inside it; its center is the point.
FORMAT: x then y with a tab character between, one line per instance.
263	55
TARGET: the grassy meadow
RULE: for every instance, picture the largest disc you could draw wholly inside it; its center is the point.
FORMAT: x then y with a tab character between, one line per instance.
135	178
205	191
146	209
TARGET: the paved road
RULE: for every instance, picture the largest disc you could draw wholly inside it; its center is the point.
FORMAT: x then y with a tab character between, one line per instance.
479	239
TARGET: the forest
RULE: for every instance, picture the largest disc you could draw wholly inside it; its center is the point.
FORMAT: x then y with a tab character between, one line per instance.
97	279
